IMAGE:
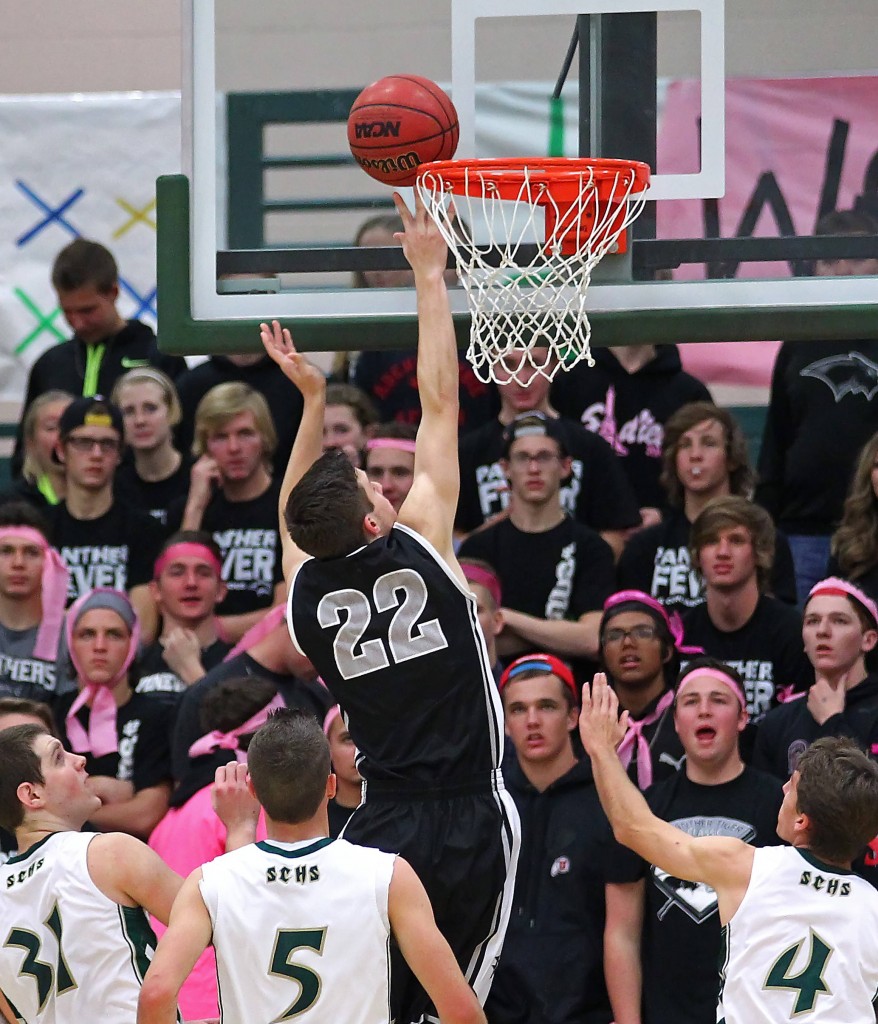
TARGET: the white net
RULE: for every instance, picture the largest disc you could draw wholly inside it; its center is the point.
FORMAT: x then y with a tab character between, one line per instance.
528	308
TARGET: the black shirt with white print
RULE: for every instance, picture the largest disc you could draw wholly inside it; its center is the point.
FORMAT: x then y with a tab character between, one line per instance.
681	928
143	728
657	561
248	538
766	651
21	674
153	496
157	678
597	492
118	549
629	410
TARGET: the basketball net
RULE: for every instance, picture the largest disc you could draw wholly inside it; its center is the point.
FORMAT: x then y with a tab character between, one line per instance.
528	312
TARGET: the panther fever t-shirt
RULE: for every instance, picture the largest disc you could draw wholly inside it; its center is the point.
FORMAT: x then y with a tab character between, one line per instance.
118	549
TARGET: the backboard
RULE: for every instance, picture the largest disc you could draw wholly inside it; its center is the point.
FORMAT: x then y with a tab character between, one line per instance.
758	120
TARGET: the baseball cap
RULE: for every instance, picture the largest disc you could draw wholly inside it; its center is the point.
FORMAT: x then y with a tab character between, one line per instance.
93	411
534	424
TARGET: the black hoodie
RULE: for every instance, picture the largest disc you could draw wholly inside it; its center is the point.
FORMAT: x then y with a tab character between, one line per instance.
551	968
629	410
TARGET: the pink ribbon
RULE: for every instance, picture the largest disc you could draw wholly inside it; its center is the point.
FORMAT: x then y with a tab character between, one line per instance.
832	585
476	574
271	620
402	444
101	738
718	676
186	549
230	741
634	737
54	591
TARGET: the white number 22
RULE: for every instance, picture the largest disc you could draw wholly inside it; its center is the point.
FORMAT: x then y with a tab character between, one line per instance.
406	638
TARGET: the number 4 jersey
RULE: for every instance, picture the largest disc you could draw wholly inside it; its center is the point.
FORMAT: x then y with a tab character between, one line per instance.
395	637
301	932
803	944
69	953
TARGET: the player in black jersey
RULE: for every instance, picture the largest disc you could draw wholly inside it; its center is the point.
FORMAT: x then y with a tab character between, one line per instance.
379	604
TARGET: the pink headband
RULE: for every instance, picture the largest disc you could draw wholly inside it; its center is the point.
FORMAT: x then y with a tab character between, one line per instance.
267	624
186	549
486	579
673	622
217	740
54	591
835	587
400	443
101	738
719	676
331	715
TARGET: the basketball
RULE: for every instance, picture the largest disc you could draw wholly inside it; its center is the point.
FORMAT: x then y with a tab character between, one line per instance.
398	123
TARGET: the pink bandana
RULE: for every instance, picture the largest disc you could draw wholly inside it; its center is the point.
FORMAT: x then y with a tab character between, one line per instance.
186	549
230	741
331	715
842	588
101	738
634	738
673	622
719	676
476	574
54	591
401	444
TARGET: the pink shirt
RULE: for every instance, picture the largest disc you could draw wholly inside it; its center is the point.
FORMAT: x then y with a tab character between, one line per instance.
186	838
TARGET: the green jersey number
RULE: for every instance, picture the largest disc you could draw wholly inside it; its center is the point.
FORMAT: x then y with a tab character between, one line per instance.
44	974
808	984
287	942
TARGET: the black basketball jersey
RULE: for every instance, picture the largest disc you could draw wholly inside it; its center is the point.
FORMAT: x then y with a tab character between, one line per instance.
395	637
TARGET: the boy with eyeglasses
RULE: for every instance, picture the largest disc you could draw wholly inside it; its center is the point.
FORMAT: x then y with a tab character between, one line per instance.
640	652
104	543
554	571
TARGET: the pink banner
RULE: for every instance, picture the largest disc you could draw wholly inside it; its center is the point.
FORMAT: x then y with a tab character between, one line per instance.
793	148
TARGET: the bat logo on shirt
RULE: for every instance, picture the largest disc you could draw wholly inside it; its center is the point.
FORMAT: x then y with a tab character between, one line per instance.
849	374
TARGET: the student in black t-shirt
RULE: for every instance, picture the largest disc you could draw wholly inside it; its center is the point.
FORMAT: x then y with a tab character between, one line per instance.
187	586
104	542
640	652
760	637
125	736
42	482
555	572
348	418
596	491
234	498
704	457
673	923
390	460
33	593
157	474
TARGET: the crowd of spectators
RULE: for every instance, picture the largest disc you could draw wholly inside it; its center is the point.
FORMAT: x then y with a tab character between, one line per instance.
609	520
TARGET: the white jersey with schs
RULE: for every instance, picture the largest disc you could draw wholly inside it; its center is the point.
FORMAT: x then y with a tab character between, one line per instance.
69	954
802	946
301	931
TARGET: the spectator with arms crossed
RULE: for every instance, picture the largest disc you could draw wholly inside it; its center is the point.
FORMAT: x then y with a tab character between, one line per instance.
800	930
382	609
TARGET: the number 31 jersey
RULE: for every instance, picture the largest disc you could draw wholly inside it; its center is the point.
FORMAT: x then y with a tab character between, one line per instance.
69	954
395	636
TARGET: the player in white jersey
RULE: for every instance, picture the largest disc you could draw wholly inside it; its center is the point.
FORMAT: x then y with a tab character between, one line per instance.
73	926
301	923
800	931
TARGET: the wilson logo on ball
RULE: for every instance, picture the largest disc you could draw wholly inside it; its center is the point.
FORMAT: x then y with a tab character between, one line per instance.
391	165
377	130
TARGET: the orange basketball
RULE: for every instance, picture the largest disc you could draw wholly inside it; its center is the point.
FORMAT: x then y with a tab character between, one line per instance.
398	123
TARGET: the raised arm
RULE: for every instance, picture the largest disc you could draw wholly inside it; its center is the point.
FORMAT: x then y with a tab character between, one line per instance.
725	864
431	503
309	437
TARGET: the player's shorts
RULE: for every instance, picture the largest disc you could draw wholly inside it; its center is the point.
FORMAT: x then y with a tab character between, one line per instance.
462	839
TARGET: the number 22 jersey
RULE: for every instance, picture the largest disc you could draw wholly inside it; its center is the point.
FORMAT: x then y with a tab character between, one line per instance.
395	636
